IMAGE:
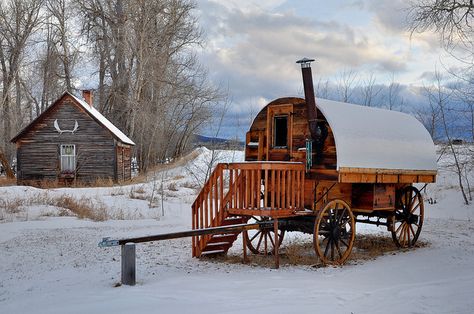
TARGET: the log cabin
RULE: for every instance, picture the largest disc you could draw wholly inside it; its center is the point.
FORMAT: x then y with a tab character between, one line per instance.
71	141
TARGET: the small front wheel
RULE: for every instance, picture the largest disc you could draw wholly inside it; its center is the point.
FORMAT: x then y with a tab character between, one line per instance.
262	241
334	233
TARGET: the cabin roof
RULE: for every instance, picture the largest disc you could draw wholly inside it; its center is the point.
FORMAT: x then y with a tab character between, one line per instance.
103	120
94	113
377	138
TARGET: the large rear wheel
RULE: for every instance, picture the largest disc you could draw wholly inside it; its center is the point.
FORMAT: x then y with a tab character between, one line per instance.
408	217
334	233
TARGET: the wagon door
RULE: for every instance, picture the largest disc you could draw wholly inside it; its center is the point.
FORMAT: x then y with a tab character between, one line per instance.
279	132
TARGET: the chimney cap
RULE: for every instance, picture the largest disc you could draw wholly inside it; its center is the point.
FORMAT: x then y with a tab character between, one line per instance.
305	62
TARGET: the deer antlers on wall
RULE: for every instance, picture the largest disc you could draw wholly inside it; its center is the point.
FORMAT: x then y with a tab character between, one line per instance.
56	126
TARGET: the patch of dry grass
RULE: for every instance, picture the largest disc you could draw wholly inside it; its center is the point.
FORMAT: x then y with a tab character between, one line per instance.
55	183
190	185
172	187
137	194
301	252
4	181
83	208
11	206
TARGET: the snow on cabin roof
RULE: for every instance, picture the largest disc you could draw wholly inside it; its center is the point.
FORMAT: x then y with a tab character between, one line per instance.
104	121
377	138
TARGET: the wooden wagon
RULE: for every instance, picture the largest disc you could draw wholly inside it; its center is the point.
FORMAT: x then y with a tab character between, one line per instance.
319	167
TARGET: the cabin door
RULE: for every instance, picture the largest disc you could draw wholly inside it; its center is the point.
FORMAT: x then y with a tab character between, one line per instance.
279	132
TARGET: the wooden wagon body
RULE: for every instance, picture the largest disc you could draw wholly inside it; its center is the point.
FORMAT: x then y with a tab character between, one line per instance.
319	168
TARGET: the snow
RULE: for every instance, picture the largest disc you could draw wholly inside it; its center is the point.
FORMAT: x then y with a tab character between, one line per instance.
103	120
51	264
377	138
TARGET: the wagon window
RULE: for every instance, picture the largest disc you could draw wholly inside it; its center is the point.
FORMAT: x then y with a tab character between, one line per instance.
68	158
280	132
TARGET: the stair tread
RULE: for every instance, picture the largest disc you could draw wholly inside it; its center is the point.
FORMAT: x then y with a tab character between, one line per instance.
223	238
215	252
217	243
234	221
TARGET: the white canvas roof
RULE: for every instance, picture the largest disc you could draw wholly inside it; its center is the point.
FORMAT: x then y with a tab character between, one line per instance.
104	121
376	138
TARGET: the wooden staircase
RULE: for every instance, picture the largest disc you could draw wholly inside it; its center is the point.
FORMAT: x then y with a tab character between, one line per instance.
237	191
221	243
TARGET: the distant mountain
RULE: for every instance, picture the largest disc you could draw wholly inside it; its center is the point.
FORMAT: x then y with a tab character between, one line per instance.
216	142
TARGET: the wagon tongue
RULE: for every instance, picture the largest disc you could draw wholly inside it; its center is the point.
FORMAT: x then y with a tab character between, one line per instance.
309	97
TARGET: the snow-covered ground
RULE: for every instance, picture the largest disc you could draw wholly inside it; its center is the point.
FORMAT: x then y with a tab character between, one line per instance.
50	261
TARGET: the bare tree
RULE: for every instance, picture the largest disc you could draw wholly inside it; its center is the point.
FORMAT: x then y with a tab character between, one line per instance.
6	165
322	88
440	96
393	99
452	20
346	83
429	116
18	21
150	83
465	94
370	90
61	13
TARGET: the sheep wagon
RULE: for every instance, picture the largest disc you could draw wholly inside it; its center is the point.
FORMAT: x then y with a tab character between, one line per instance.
319	167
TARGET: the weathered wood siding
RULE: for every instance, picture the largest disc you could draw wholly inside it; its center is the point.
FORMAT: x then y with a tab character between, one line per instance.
324	162
38	150
124	162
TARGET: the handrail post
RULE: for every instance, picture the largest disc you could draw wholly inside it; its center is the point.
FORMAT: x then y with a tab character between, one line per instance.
277	243
244	246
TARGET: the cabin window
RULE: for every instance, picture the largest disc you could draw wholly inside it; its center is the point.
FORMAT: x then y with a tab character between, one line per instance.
280	132
68	158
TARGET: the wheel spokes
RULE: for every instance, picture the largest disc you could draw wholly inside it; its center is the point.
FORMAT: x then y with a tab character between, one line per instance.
335	224
327	246
271	239
255	235
408	218
259	241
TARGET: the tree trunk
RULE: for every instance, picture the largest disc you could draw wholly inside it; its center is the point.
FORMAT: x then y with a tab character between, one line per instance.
6	166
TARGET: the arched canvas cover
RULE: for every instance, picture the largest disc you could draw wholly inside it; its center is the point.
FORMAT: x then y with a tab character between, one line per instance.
378	139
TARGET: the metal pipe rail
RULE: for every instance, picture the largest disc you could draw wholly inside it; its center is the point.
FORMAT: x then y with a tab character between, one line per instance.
128	244
107	242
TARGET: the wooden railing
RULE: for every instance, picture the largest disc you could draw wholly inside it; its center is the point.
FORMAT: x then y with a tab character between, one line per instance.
272	189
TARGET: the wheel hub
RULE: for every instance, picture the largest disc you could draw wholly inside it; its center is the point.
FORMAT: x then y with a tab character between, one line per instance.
412	219
336	233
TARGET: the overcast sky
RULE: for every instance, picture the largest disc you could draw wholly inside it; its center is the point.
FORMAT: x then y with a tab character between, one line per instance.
251	46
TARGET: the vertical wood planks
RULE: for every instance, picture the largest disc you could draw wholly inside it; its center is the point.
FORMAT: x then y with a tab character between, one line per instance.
252	186
284	190
221	193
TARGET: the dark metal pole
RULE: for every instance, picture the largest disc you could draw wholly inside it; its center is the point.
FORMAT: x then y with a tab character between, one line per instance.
309	96
128	264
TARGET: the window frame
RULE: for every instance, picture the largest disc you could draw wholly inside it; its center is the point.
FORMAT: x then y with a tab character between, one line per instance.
67	161
274	137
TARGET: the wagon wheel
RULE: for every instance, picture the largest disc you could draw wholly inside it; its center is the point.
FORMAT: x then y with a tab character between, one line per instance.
408	217
263	241
334	233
